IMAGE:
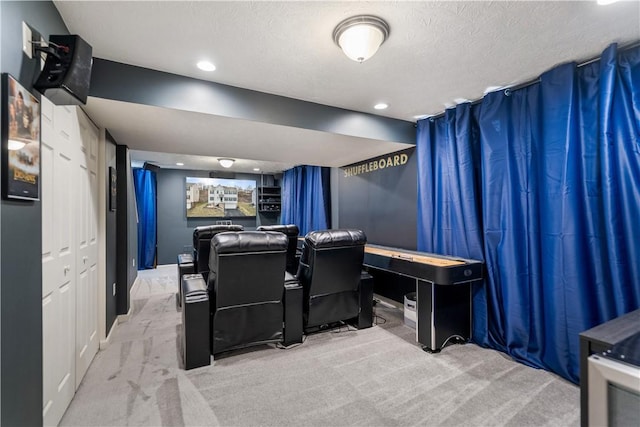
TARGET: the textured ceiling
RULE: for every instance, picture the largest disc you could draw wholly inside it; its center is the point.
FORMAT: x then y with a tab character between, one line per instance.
437	54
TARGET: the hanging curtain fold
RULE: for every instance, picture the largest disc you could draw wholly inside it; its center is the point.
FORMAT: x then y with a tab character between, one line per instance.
449	220
145	188
305	198
556	192
509	128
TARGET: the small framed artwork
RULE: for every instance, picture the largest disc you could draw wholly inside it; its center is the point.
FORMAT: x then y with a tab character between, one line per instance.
20	141
113	188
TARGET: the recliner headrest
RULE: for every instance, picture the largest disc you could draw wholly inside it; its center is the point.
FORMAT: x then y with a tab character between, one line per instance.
290	230
207	231
333	238
249	241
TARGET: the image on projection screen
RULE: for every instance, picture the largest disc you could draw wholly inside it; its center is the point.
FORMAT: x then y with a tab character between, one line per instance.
220	198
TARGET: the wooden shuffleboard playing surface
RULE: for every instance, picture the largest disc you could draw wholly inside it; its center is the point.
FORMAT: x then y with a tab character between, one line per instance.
408	256
435	268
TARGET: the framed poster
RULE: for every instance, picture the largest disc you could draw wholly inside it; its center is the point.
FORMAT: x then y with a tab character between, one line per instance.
20	141
113	188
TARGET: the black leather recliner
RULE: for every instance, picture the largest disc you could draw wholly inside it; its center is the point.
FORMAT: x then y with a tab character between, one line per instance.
330	272
202	243
292	232
246	288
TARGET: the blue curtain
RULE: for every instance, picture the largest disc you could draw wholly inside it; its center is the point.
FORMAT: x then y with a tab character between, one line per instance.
449	217
555	184
145	187
305	198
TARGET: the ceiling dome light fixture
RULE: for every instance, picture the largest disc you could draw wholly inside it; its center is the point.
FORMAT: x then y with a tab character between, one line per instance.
226	163
15	145
206	66
381	106
360	36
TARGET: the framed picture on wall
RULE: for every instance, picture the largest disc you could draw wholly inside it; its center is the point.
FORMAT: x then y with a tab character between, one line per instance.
20	141
113	188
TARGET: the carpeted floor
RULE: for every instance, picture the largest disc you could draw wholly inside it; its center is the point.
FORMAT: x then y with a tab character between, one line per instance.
372	377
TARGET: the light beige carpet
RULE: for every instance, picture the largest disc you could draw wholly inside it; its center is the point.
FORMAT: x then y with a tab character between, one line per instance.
373	377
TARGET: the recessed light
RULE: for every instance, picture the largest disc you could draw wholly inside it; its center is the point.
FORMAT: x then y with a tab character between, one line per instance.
256	169
606	2
381	106
179	164
206	66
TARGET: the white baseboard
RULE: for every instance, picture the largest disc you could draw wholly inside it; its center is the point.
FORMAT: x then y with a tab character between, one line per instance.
119	319
105	342
125	317
134	287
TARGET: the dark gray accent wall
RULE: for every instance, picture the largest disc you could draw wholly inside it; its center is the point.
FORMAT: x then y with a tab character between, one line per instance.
126	231
175	231
1	171
21	242
128	83
382	202
110	238
132	229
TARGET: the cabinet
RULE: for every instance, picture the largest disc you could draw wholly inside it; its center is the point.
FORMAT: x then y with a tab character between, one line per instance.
269	199
598	340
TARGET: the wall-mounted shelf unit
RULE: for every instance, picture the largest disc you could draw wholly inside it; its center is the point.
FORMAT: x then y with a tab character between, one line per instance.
269	197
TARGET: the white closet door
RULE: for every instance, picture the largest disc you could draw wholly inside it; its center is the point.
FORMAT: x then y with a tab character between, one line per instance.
69	195
87	247
58	260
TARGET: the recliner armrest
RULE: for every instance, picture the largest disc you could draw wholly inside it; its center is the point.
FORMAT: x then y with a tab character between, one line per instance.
365	292
194	288
304	272
185	266
293	295
290	280
195	322
185	258
366	279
